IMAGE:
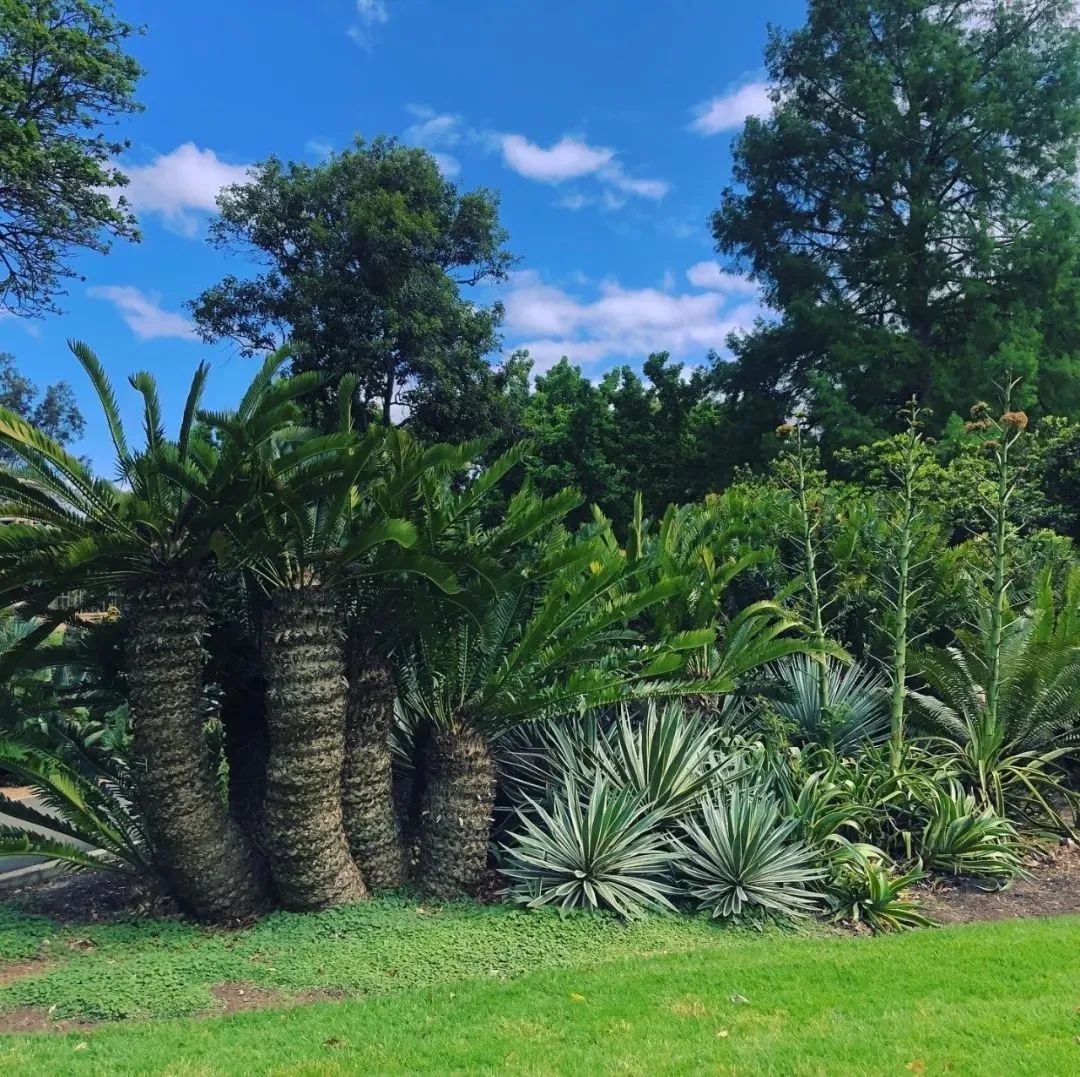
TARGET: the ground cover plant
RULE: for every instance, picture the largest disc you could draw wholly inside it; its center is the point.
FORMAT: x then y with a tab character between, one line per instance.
966	1000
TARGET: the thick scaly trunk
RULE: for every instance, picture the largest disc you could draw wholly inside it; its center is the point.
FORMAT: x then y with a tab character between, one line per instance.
366	787
305	672
204	858
458	803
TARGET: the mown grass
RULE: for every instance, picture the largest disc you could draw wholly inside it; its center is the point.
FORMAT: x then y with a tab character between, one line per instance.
989	998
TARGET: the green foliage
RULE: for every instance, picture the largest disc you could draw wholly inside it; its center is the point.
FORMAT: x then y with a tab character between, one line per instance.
866	892
379	245
964	838
53	411
165	968
740	856
600	847
64	79
916	234
87	799
857	709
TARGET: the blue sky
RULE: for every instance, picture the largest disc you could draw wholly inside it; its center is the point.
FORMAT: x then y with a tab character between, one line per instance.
604	124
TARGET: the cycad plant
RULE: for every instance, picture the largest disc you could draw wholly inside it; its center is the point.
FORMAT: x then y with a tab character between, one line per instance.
89	801
311	528
148	539
441	491
536	652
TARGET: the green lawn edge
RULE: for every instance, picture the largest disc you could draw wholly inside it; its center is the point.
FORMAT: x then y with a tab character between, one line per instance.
978	999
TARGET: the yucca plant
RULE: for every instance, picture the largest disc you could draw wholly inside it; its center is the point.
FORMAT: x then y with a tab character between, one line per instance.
738	855
600	847
148	539
89	801
963	837
857	711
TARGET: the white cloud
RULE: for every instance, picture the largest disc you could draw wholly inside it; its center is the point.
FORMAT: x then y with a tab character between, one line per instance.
143	314
709	275
619	323
181	184
643	188
369	14
448	164
435	132
728	112
433	128
569	158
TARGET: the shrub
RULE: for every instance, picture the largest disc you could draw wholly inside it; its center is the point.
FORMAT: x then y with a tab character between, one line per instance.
601	850
865	892
738	854
962	838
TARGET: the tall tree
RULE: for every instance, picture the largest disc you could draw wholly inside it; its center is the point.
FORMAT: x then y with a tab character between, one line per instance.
64	78
909	209
365	256
53	411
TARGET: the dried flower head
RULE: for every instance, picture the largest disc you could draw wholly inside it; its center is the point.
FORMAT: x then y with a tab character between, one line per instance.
1015	420
980	409
785	431
977	425
992	445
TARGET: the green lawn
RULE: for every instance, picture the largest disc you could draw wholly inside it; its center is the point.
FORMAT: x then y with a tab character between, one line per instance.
667	996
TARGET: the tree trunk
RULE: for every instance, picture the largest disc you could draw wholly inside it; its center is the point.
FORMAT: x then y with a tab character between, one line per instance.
305	671
458	803
204	858
366	795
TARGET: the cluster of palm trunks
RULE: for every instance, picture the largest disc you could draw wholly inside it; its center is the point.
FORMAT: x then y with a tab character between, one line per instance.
312	819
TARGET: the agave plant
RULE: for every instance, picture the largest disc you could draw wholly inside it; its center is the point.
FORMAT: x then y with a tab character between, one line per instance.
605	849
89	802
963	837
739	855
866	892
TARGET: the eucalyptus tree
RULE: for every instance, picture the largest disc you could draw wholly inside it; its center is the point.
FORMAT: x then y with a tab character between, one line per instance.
147	538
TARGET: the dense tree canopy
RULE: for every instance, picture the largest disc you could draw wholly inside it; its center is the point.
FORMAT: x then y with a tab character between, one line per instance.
909	210
365	256
64	77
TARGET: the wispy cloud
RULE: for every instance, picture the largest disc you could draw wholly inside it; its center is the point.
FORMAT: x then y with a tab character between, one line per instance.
619	323
729	111
569	158
181	185
710	276
143	314
436	132
369	14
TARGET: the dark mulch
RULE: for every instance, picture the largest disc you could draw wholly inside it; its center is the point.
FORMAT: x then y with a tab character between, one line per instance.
1052	888
93	897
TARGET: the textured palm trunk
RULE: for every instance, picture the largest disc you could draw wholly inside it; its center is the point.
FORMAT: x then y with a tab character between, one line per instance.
306	695
367	799
458	803
204	858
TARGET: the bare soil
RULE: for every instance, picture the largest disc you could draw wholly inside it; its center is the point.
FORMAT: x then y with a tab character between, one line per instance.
233	996
1052	888
37	1019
